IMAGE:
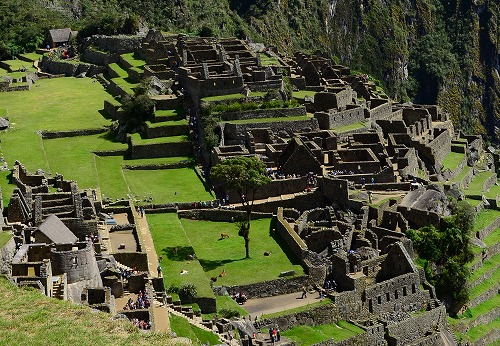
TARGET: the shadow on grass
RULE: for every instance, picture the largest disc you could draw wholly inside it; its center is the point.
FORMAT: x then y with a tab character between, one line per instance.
282	244
105	114
179	253
211	265
110	136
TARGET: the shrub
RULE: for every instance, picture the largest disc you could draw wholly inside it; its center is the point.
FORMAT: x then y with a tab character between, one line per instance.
188	289
229	313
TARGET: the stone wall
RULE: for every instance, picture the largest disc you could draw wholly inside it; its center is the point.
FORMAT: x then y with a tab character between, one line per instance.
160	150
116	44
324	101
96	57
486	231
165	130
238	131
409	330
138	260
274	188
6	254
62	134
382	109
79	264
272	288
264	113
69	69
331	119
288	234
219	215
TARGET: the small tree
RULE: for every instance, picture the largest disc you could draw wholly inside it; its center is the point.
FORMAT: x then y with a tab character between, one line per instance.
243	175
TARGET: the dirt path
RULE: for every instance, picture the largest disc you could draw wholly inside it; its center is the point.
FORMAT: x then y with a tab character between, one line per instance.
258	307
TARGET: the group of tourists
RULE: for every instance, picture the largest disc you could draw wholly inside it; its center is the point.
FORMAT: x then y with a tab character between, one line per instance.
274	334
142	302
141	324
239	298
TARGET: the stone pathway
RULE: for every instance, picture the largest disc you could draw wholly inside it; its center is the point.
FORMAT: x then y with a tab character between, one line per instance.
161	319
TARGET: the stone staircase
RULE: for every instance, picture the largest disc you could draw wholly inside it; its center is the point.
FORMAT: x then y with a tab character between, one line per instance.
58	290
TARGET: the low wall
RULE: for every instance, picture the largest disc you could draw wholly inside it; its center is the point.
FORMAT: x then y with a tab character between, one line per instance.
264	113
6	254
165	130
288	234
76	133
116	44
272	288
160	150
486	231
219	215
112	109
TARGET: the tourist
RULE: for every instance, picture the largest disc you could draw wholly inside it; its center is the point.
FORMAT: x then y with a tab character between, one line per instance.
304	292
159	270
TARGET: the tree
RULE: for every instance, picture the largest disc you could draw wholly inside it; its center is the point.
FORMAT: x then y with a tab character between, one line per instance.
243	175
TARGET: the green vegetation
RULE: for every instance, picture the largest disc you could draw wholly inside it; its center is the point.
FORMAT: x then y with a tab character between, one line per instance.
28	309
452	160
270	120
485	217
269	60
5	236
307	335
183	328
216	255
243	175
301	94
482	329
132	60
350	127
476	185
449	249
137	140
171	241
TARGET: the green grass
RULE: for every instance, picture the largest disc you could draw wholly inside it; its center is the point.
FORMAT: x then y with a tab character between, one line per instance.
350	127
183	328
308	335
476	185
484	218
122	73
225	302
473	202
167	185
32	56
452	160
301	94
137	140
167	123
130	58
493	238
326	301
223	97
15	65
488	265
270	120
168	235
32	111
216	255
170	112
29	318
5	236
481	330
485	285
493	192
266	60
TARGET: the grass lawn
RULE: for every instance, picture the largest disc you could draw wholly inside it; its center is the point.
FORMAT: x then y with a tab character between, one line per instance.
5	237
493	238
486	284
270	120
484	218
26	317
266	60
171	242
78	163
481	330
122	73
452	160
350	127
476	185
301	94
473	202
307	335
225	303
170	112
167	185
17	64
166	123
488	265
216	255
182	327
30	111
32	56
130	58
7	187
493	192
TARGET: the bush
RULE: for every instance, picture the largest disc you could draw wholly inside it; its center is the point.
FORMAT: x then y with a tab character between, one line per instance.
229	313
188	290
